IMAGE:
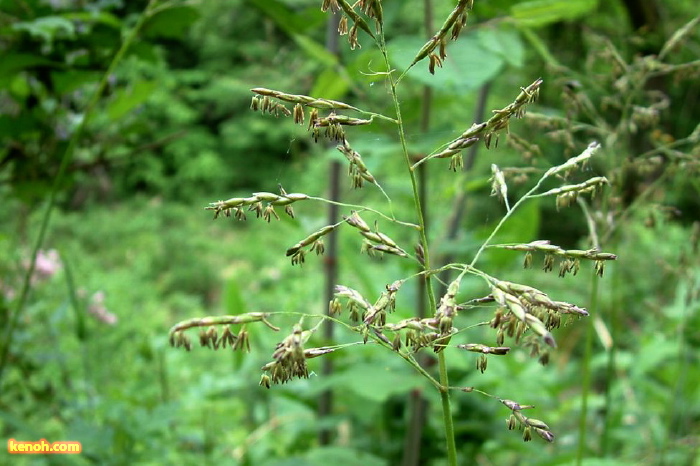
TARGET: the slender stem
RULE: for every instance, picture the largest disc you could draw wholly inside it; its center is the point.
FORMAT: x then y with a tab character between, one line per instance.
572	162
372	115
368	209
418	404
447	411
444	381
58	181
505	218
412	176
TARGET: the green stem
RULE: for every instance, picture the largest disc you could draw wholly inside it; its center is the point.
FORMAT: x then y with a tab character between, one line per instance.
58	181
447	411
444	380
412	175
572	162
361	208
505	218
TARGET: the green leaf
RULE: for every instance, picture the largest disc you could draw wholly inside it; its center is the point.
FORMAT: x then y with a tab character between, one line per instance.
296	26
467	67
102	17
171	22
14	62
330	85
537	13
47	28
504	41
375	384
314	49
288	20
323	456
127	99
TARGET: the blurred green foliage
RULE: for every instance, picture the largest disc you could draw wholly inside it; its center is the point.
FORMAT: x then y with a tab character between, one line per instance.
173	132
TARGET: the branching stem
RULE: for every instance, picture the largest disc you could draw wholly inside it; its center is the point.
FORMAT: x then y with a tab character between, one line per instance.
444	380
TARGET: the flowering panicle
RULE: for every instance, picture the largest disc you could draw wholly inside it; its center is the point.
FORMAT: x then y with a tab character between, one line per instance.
527	149
528	308
267	105
356	303
385	303
358	170
482	361
314	241
489	130
454	22
235	206
375	241
210	337
570	259
577	162
445	314
498	184
289	360
528	425
304	100
483	349
333	123
523	313
566	195
371	8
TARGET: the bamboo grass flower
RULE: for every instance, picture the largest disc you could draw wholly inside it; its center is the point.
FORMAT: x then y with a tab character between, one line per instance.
521	312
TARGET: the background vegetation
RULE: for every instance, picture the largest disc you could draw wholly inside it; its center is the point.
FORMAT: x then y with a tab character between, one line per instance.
129	250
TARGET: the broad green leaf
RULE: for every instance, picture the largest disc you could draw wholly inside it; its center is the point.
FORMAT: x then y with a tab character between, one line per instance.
314	49
374	383
288	20
47	28
126	100
171	22
468	65
506	42
295	25
14	62
102	17
330	85
538	13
